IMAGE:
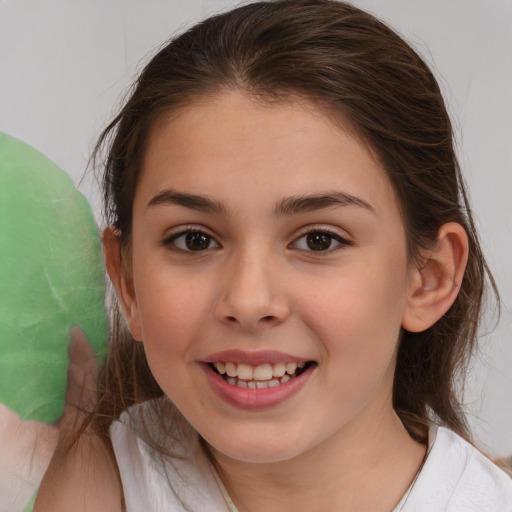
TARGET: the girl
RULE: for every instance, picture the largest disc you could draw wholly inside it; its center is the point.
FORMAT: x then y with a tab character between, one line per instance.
299	277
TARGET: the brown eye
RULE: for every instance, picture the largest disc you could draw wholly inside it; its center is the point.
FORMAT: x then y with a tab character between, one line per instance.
192	241
318	241
197	241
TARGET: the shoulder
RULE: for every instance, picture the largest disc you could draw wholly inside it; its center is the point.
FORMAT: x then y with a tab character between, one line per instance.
456	477
178	478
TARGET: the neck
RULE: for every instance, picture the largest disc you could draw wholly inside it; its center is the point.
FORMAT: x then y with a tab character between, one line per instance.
355	469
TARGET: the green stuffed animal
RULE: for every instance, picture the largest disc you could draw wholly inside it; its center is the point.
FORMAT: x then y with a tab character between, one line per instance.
51	278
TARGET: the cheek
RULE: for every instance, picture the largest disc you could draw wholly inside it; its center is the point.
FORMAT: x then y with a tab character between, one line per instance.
357	315
172	310
356	327
172	317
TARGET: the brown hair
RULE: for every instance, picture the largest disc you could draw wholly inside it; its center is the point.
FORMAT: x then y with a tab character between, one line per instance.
338	56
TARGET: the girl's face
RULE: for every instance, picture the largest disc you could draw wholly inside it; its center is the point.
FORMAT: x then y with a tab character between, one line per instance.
267	244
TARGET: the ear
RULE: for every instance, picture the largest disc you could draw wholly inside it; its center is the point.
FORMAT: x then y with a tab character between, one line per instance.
434	287
120	274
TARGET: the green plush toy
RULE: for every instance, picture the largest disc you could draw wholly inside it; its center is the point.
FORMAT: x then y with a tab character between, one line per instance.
51	278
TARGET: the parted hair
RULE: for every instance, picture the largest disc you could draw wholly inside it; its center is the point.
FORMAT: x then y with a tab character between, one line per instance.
359	71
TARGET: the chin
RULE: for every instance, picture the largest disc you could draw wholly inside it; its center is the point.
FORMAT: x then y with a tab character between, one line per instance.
259	452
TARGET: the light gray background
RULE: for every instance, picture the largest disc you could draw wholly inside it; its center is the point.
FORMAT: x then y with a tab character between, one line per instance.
65	64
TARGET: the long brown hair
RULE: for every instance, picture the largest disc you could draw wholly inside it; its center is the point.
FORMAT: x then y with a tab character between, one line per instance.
360	70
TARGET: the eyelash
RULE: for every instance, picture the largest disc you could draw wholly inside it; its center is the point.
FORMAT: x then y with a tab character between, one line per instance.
341	242
170	241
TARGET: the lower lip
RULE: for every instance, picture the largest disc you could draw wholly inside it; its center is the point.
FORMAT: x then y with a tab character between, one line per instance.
245	398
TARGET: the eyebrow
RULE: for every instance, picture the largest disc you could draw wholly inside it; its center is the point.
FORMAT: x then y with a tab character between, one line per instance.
299	204
285	207
192	201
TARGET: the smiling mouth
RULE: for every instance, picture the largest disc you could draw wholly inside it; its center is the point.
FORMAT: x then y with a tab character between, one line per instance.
261	376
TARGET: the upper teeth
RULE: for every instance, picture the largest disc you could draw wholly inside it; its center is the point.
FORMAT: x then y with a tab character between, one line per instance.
261	372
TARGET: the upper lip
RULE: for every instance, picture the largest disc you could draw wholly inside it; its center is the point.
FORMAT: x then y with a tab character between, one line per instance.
253	358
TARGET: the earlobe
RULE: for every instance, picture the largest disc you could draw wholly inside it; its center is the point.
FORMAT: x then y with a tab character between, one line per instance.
121	278
435	286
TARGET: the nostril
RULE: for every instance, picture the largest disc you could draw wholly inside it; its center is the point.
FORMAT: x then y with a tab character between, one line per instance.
265	320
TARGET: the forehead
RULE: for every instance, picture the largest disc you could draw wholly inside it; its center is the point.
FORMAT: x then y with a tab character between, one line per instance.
232	146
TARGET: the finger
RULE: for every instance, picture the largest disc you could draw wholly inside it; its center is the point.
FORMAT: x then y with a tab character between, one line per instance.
76	381
82	370
80	351
81	385
76	402
81	389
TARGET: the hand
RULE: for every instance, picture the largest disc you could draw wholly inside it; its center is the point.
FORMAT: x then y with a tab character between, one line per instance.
81	391
26	448
82	475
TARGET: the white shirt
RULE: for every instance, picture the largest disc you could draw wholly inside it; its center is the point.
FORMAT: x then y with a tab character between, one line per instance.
455	477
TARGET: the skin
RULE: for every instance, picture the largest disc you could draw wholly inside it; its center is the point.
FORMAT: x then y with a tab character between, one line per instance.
84	478
258	286
335	444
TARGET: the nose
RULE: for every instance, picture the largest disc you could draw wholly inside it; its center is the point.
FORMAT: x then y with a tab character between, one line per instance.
253	293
